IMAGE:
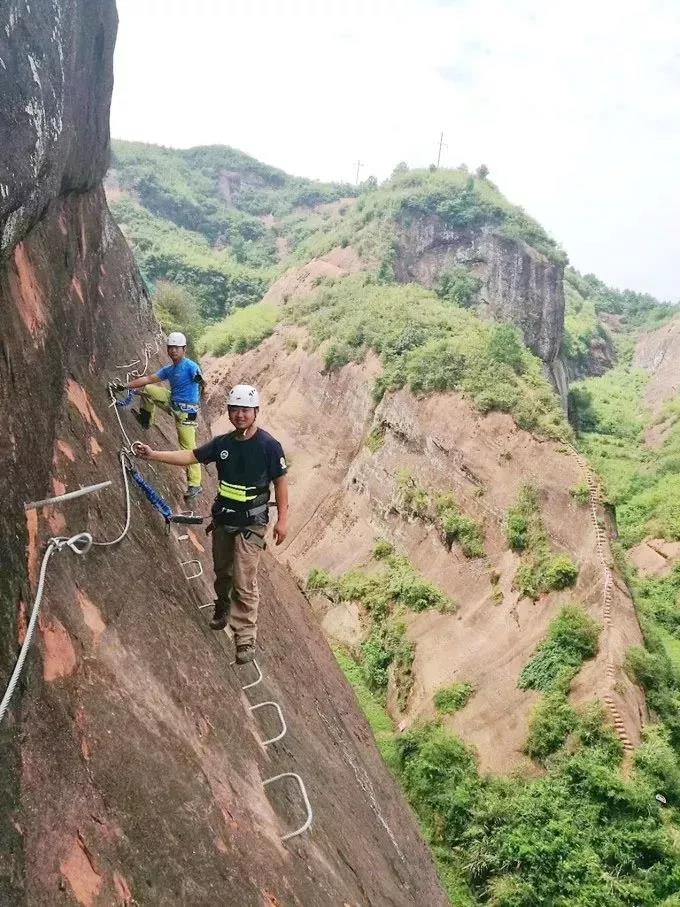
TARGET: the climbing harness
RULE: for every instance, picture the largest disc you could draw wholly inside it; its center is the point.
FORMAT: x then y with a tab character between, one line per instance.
78	544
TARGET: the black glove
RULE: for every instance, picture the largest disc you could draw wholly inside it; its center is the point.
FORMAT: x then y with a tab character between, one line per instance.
117	387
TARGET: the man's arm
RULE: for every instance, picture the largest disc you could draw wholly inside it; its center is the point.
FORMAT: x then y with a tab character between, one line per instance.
145	379
173	457
281	497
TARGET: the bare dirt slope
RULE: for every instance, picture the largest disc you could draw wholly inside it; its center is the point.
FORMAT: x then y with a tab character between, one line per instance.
658	354
344	497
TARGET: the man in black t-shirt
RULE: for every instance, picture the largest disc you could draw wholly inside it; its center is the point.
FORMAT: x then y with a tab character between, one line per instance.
248	460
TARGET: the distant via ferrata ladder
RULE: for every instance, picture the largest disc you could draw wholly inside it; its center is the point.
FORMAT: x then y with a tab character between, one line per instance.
602	545
82	542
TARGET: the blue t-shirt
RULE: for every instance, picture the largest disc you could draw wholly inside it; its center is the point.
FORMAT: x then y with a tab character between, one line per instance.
182	377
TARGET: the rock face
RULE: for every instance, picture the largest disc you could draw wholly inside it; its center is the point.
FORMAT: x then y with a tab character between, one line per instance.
519	284
131	770
657	352
55	83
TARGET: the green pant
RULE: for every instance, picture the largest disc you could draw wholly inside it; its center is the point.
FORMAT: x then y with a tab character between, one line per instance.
152	396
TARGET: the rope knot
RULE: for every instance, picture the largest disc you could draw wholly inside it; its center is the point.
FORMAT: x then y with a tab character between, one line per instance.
79	543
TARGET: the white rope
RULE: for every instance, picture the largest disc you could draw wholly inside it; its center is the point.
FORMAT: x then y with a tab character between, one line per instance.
79	544
128	509
114	406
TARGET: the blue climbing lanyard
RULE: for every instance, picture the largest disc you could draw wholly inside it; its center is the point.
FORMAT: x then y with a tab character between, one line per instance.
152	495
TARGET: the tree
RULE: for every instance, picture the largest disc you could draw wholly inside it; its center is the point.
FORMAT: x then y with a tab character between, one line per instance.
402	167
459	285
482	171
370	183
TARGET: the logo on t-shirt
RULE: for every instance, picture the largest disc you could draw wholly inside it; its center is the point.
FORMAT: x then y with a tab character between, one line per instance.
283	462
224	454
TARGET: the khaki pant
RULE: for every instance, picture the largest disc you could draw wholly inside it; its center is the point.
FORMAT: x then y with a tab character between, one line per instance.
152	396
236	561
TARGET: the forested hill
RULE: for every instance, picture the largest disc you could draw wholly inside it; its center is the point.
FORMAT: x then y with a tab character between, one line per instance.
211	219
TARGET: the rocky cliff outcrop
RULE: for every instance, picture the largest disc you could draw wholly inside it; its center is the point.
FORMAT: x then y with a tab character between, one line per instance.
519	284
131	771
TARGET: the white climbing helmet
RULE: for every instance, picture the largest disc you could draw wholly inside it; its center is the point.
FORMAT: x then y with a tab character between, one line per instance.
176	338
243	395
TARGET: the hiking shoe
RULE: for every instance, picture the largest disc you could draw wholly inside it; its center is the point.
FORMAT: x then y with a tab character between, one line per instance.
219	618
143	416
193	491
245	652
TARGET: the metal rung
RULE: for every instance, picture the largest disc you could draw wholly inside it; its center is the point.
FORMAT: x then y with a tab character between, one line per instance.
69	496
199	572
186	513
209	605
308	806
249	686
182	538
284	729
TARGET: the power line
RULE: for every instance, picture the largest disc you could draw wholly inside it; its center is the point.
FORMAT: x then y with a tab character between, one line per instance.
442	144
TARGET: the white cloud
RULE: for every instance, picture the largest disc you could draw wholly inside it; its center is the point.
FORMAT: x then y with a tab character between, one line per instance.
573	106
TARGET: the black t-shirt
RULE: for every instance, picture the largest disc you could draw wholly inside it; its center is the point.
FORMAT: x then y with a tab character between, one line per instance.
244	468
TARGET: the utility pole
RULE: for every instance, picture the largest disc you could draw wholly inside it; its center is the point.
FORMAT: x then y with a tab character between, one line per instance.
359	165
439	153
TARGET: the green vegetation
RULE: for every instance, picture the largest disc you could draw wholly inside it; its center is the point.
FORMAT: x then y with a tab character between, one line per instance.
659	675
451	699
460	286
456	527
540	571
572	637
374	711
582	328
642	483
240	331
165	251
375	439
443	511
430	346
461	200
175	307
384	594
636	310
581	834
580	493
385	649
413	499
382	549
219	192
552	720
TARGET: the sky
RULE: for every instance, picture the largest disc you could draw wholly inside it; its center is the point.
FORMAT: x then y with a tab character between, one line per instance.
574	106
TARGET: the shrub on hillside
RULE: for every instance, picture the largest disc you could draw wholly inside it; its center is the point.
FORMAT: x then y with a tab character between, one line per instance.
242	330
459	286
552	719
451	699
580	493
572	638
382	549
540	571
177	310
560	572
516	528
463	529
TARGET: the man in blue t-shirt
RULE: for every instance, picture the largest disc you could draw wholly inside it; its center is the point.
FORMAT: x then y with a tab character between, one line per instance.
182	400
